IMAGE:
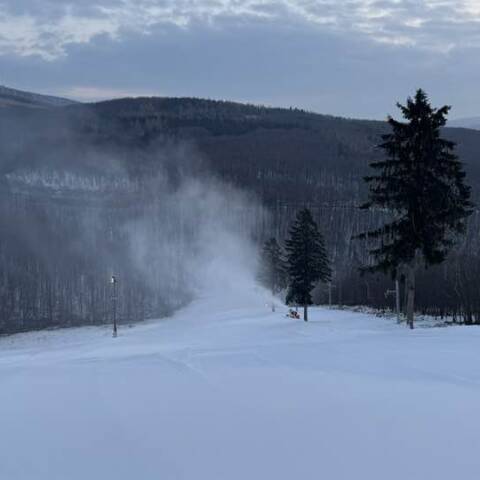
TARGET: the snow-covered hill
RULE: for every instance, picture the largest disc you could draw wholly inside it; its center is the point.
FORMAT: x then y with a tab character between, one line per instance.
471	122
20	98
228	390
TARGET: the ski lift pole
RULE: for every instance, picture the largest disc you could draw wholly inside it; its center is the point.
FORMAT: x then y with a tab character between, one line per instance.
396	294
397	300
113	282
331	286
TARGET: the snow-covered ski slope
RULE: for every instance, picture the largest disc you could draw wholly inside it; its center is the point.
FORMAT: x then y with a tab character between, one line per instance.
228	390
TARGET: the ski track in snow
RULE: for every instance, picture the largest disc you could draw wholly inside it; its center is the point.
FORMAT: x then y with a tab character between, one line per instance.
228	390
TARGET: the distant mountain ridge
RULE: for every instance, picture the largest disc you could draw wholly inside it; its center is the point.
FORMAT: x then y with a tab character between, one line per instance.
470	122
10	97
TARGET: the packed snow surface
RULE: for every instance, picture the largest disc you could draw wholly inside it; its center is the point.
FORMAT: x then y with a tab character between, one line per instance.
228	390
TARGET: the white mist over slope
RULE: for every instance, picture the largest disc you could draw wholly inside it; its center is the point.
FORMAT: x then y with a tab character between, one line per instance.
228	390
200	232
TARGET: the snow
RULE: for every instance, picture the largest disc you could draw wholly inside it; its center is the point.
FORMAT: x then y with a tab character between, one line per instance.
227	390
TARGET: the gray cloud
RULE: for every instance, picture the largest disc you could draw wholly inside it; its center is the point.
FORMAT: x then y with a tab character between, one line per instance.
45	28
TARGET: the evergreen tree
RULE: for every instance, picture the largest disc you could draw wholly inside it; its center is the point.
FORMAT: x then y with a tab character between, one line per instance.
307	261
421	185
272	272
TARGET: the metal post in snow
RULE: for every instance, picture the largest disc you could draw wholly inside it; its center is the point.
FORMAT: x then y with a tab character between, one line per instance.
397	300
113	282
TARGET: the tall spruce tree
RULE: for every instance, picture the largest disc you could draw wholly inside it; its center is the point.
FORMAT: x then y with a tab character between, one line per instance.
272	271
307	261
421	186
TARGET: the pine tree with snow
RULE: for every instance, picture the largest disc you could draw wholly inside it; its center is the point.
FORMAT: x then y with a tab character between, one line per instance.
272	271
421	186
307	260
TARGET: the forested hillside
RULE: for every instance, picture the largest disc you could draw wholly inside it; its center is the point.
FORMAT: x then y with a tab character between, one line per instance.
85	188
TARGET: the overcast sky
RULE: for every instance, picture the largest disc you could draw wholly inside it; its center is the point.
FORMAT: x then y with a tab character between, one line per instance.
345	57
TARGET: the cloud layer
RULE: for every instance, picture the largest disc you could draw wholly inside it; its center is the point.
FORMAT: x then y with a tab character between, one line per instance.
47	27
